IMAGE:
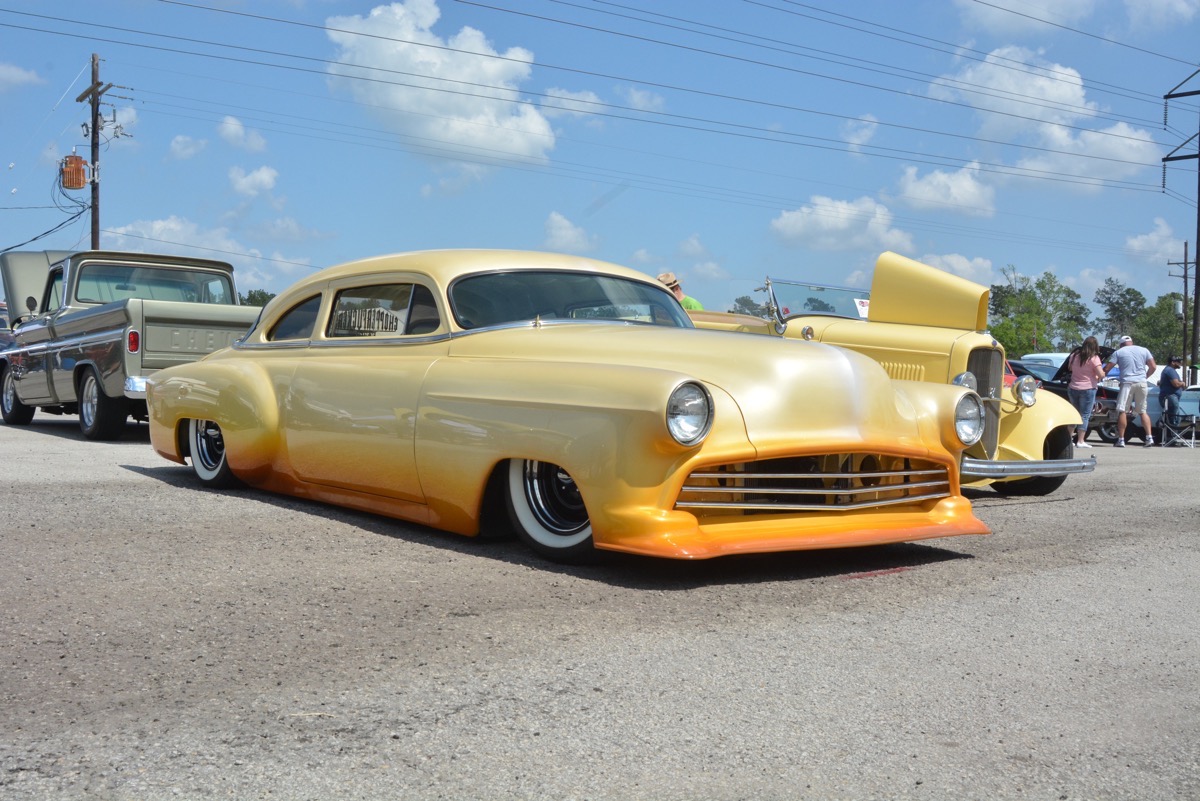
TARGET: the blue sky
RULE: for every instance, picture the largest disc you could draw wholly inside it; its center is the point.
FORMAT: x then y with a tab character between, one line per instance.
723	140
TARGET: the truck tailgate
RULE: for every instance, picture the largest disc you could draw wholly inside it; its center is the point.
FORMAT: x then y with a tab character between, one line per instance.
176	333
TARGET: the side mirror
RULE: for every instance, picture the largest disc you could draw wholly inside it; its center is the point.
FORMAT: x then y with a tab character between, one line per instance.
31	303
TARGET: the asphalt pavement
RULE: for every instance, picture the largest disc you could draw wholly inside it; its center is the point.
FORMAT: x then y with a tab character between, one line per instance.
163	641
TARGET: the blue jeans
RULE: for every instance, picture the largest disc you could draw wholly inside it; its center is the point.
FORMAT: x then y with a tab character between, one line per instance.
1083	400
1170	404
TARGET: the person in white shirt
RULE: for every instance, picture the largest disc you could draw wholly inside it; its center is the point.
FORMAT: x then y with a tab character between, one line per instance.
1136	363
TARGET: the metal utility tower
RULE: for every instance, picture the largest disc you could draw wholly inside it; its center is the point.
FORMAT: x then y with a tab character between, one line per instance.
1169	96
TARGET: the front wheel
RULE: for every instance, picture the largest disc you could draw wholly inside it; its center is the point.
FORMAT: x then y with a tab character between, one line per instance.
207	445
1058	446
547	510
15	413
100	417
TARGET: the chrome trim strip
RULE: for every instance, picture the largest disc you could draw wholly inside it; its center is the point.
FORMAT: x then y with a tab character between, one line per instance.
810	507
982	468
757	490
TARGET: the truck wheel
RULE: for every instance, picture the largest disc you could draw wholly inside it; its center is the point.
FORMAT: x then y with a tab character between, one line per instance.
15	413
207	445
1058	446
100	417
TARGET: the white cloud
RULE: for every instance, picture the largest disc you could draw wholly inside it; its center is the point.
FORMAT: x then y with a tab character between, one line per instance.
562	103
642	100
693	248
12	77
642	256
710	271
286	229
176	235
564	236
1045	110
253	183
959	191
184	147
1156	247
859	132
1159	14
977	269
997	21
471	124
828	224
233	131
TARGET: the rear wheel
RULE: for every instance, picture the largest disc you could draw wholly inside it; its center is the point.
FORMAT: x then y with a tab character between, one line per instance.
207	445
1107	432
1058	446
100	417
15	413
547	510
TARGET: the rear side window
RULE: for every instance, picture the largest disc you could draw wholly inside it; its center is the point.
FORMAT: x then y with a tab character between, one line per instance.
383	310
297	322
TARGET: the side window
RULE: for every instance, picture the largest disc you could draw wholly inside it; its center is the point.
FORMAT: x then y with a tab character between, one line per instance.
53	298
298	322
383	310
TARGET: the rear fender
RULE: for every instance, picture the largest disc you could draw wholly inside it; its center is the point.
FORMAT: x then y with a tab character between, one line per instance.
237	395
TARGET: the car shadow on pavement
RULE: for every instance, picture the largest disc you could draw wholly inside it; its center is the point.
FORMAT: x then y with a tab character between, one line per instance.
618	569
67	427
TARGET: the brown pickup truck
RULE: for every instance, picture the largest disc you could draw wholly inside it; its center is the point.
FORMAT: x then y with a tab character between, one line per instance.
88	328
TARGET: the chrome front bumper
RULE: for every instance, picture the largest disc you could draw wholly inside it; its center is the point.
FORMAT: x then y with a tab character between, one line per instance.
976	469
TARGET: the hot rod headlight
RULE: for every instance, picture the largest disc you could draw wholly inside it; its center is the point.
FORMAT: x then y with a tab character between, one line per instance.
968	419
689	413
967	380
1025	389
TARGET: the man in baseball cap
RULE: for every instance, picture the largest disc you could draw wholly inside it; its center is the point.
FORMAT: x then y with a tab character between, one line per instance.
1136	364
1170	389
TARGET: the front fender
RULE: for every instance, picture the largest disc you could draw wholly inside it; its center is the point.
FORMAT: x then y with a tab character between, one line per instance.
1023	430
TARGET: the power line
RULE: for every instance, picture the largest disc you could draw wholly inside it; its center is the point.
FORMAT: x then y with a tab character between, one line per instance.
1097	37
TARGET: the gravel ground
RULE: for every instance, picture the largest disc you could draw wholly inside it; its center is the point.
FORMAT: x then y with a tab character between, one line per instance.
162	641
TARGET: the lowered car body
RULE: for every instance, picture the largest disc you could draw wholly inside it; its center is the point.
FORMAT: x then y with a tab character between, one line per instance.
572	400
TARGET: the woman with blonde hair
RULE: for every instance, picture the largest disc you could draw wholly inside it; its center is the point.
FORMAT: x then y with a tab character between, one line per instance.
1086	373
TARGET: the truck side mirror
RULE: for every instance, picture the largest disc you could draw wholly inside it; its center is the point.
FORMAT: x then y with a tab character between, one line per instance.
31	303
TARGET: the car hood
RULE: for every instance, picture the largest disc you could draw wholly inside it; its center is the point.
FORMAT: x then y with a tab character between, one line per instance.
784	388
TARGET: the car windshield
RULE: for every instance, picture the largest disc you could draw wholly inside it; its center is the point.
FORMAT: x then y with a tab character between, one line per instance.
490	299
796	298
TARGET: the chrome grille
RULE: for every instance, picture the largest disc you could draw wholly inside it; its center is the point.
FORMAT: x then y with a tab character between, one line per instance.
988	366
825	483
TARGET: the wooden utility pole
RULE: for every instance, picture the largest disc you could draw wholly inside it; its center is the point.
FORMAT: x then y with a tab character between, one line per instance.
1183	342
92	94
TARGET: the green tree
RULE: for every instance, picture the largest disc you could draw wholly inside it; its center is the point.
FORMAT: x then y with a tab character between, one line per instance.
256	297
1121	306
1159	329
1064	314
746	305
1042	315
818	305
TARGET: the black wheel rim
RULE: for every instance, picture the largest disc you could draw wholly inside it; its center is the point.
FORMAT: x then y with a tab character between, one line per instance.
554	499
210	445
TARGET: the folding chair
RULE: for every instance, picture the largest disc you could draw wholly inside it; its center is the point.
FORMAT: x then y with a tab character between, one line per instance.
1182	432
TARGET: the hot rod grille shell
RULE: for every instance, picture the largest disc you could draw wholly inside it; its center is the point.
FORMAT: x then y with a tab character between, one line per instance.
824	483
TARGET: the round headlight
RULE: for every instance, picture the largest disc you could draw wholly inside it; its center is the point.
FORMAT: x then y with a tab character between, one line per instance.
689	413
967	380
1025	388
968	419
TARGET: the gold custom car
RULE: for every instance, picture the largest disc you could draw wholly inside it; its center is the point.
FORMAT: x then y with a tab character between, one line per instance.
925	324
572	401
